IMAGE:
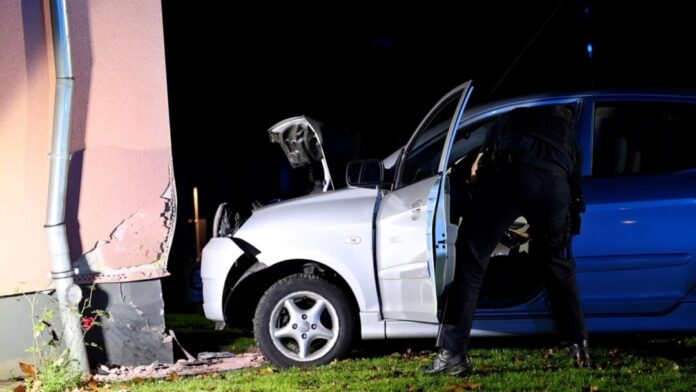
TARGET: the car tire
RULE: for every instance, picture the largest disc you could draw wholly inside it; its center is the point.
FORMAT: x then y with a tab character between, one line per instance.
304	320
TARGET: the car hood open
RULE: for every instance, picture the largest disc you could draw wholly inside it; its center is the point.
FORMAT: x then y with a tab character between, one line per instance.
301	140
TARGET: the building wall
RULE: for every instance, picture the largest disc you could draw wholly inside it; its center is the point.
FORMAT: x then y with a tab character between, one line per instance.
121	195
120	206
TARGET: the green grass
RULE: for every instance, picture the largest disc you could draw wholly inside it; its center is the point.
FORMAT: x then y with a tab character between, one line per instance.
197	334
622	363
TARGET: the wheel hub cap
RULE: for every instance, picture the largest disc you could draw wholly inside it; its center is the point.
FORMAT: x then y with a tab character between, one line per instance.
304	326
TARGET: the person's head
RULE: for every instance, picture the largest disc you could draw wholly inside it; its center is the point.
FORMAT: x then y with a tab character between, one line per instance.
563	111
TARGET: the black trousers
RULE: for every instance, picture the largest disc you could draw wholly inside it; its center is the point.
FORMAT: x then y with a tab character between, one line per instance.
543	198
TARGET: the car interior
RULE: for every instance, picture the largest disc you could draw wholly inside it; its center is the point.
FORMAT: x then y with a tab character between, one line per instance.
512	277
638	138
617	154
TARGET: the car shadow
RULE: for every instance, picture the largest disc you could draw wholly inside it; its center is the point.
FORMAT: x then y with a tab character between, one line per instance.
674	347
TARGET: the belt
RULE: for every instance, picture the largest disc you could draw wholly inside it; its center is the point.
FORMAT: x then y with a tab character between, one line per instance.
526	158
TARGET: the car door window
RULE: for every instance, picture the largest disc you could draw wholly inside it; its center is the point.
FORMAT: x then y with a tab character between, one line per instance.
632	138
423	155
469	139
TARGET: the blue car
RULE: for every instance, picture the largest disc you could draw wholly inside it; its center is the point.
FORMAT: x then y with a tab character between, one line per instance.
371	259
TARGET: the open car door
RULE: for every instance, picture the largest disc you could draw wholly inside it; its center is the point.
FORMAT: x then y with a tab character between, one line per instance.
414	236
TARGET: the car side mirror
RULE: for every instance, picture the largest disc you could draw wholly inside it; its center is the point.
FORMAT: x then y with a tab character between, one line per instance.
365	173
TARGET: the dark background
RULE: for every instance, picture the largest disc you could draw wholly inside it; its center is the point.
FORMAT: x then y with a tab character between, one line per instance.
233	71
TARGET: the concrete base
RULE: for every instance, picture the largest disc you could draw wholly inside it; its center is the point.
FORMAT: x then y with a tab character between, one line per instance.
16	329
135	333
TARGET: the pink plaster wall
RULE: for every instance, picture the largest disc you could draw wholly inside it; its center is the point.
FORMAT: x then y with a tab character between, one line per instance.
120	188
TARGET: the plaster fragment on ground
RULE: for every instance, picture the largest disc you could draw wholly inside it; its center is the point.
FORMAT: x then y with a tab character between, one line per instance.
182	367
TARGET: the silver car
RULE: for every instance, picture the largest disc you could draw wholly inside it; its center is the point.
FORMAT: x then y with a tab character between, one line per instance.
372	260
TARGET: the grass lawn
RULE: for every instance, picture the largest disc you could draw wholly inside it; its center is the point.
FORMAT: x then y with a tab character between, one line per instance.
622	363
197	334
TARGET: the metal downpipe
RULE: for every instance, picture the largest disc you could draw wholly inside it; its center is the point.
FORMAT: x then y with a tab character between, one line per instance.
67	292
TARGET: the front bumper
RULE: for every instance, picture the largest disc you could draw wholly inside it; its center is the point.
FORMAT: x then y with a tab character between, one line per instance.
218	257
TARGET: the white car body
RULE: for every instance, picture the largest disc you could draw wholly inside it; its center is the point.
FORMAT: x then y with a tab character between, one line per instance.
341	230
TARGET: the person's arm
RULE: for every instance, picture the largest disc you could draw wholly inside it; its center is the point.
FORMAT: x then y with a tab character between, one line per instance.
488	145
473	177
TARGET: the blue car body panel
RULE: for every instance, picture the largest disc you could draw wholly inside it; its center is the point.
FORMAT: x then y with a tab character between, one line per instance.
636	254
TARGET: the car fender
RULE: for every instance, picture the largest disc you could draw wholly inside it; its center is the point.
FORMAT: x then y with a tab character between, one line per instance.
334	229
219	255
363	287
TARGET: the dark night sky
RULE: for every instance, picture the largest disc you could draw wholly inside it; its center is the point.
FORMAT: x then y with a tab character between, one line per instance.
234	72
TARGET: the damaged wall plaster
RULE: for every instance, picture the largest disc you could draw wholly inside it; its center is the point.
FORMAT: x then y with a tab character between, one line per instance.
138	248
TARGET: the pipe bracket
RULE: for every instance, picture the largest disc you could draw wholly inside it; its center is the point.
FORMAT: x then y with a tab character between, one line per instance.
63	274
59	156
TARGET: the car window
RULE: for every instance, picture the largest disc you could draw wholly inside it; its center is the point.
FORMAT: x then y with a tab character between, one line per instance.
632	138
469	139
422	158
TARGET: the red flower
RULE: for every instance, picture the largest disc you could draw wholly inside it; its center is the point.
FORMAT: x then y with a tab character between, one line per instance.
87	323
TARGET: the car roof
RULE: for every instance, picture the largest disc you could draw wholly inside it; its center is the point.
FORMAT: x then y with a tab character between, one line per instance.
686	95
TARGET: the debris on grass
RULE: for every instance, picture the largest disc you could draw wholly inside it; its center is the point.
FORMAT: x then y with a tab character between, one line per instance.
212	355
182	367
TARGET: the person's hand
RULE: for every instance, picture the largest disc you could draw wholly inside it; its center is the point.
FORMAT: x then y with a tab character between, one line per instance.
473	177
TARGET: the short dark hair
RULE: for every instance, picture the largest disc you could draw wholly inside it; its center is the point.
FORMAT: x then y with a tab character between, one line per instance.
564	111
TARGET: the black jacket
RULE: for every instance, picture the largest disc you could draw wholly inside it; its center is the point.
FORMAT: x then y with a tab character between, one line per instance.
546	133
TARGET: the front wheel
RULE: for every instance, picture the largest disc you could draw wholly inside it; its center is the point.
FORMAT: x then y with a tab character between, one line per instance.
304	320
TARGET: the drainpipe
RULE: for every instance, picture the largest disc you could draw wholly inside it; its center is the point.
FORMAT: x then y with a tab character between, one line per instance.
68	293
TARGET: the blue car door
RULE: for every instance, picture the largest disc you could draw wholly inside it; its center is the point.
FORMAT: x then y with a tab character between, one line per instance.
636	251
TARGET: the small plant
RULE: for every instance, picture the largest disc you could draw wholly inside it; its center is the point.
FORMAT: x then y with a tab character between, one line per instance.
51	369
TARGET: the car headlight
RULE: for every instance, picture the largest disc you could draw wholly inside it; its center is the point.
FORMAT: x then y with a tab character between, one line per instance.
226	221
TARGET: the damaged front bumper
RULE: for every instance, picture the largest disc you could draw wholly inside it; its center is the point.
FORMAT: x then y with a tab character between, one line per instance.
218	257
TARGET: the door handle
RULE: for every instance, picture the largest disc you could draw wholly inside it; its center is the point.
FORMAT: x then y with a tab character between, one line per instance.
416	208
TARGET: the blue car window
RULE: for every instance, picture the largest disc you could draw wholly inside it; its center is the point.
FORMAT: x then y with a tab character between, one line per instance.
639	138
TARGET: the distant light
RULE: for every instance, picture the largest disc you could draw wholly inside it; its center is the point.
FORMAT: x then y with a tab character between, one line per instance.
629	222
382	43
587	12
589	49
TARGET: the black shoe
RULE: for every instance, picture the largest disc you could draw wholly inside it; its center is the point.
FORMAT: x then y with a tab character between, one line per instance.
448	362
580	353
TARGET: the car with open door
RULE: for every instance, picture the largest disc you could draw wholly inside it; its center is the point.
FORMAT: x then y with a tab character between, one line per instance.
372	259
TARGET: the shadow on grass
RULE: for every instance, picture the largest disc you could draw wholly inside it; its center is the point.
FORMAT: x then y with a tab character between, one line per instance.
674	347
197	334
376	348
